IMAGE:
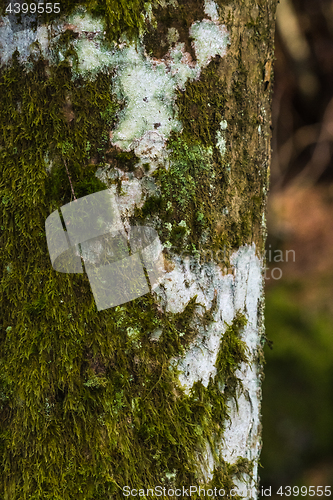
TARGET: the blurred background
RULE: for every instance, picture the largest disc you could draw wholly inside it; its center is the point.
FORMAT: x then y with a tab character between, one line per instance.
298	388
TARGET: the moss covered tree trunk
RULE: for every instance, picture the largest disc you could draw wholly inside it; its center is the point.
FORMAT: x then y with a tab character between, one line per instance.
167	105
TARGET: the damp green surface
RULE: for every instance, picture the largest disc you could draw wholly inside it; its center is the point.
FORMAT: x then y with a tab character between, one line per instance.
83	392
121	17
221	198
89	402
297	391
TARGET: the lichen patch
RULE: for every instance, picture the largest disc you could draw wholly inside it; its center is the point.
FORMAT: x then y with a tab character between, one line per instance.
210	39
211	10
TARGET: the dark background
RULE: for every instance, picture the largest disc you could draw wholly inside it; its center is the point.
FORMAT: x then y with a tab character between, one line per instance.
298	388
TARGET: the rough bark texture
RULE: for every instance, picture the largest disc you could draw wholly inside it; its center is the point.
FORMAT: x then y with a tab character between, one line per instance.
167	105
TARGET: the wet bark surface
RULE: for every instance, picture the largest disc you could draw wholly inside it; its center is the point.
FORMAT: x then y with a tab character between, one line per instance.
174	120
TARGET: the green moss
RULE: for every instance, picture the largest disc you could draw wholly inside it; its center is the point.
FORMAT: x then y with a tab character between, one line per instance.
83	392
225	473
81	395
232	352
121	17
201	186
202	106
123	160
184	189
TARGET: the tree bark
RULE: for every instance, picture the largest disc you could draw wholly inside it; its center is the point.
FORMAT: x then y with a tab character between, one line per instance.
166	106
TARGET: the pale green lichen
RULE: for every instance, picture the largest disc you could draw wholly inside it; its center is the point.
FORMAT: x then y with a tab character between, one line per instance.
173	36
210	39
81	20
149	93
220	138
91	58
211	10
148	87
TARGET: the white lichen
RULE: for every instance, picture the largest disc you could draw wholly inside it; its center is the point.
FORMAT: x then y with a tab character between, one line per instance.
81	21
220	138
146	85
92	58
240	291
210	39
21	37
211	10
149	91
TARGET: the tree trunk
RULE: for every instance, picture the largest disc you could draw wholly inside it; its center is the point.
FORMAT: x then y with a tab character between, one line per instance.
165	107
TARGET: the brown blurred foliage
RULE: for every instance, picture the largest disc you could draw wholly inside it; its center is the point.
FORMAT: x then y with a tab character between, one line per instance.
300	212
303	93
298	388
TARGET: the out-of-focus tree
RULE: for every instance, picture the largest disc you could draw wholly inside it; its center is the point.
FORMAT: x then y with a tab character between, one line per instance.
297	403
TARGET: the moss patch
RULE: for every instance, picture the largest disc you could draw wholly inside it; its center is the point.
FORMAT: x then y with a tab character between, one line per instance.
184	191
121	17
232	352
219	197
83	392
89	402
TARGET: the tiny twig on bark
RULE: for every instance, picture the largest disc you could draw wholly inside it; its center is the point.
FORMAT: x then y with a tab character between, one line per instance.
70	181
